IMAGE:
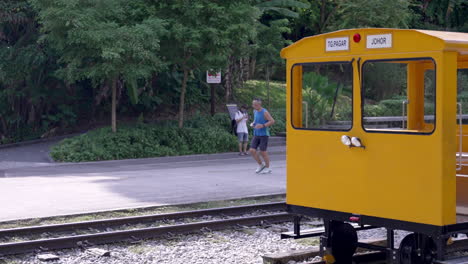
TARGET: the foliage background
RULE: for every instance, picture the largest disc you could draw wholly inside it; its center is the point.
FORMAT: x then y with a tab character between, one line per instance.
61	60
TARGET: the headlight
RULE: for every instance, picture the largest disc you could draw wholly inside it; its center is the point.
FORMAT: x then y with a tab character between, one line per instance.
356	142
346	140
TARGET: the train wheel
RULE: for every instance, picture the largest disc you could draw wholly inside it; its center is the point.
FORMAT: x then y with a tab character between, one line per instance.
410	254
343	242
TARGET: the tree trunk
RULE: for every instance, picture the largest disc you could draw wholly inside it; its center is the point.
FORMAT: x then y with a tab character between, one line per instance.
4	125
252	68
267	73
447	16
213	103
114	105
182	98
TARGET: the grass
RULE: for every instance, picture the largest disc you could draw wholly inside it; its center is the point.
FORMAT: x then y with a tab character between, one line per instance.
276	106
139	249
258	89
249	231
311	241
139	211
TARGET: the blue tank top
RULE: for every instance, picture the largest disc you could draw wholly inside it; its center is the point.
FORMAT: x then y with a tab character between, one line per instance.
259	118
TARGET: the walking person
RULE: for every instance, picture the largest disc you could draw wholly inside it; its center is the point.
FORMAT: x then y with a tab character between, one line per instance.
262	122
242	131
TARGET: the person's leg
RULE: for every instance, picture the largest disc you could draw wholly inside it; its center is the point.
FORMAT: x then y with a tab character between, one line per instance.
240	137
266	158
263	152
246	140
254	154
253	149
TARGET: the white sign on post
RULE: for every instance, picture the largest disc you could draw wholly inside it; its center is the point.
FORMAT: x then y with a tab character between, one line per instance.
213	77
336	44
379	41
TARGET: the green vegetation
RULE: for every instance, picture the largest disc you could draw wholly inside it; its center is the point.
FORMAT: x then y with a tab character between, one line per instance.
277	107
69	66
258	88
319	92
201	136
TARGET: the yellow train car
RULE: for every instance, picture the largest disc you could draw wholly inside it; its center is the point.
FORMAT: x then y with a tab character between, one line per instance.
377	138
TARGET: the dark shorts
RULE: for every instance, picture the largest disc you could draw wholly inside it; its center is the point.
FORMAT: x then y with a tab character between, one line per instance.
243	137
259	142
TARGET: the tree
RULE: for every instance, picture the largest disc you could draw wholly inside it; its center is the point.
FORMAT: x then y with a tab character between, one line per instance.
314	20
26	68
379	13
440	14
201	33
271	30
282	7
109	42
270	42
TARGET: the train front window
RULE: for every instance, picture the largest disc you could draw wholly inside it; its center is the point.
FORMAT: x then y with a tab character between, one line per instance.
322	96
399	96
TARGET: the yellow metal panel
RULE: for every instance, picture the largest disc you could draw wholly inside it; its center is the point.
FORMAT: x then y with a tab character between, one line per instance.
398	176
403	41
297	114
415	82
447	97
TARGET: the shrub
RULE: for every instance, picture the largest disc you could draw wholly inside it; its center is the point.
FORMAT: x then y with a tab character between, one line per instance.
280	121
143	141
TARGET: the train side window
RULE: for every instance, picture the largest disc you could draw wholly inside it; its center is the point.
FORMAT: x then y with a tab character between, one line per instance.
399	96
462	90
322	96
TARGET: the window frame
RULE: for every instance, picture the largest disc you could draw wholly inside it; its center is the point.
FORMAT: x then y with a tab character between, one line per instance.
350	62
396	60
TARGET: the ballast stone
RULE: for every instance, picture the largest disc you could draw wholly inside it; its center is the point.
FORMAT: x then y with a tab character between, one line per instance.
99	252
47	257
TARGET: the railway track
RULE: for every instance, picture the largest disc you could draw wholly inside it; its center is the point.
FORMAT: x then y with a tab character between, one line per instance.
235	215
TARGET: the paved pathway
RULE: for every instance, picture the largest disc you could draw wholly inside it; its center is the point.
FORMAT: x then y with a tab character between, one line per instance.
25	156
55	189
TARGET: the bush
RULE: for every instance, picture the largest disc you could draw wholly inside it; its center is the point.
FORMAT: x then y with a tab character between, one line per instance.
280	121
144	141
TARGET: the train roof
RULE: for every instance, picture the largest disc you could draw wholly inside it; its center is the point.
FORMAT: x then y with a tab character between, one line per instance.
393	41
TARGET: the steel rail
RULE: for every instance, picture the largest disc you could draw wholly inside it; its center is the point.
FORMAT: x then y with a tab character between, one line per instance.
228	211
132	235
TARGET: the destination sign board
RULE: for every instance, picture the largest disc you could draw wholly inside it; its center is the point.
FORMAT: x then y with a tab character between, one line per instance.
337	44
379	41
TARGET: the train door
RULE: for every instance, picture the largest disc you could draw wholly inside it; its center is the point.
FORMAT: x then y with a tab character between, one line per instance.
398	120
462	136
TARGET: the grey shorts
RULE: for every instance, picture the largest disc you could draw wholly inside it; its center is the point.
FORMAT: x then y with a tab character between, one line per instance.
243	137
259	142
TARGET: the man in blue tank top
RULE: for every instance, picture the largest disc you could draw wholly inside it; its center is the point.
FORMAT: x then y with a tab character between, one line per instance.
262	122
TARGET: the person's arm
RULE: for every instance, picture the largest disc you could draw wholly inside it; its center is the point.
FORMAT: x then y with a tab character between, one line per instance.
270	119
239	117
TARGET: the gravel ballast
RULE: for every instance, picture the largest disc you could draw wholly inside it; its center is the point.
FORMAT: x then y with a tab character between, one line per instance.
245	245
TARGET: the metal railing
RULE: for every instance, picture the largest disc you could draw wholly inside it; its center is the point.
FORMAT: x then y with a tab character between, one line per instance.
460	143
306	113
403	116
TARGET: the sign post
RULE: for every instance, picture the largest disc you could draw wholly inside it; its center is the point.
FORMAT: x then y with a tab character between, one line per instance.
213	78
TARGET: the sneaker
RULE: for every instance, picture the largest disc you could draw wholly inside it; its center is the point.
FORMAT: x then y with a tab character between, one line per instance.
266	171
241	154
260	168
246	153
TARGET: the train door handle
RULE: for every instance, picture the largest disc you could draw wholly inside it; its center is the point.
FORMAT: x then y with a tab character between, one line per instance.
352	142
